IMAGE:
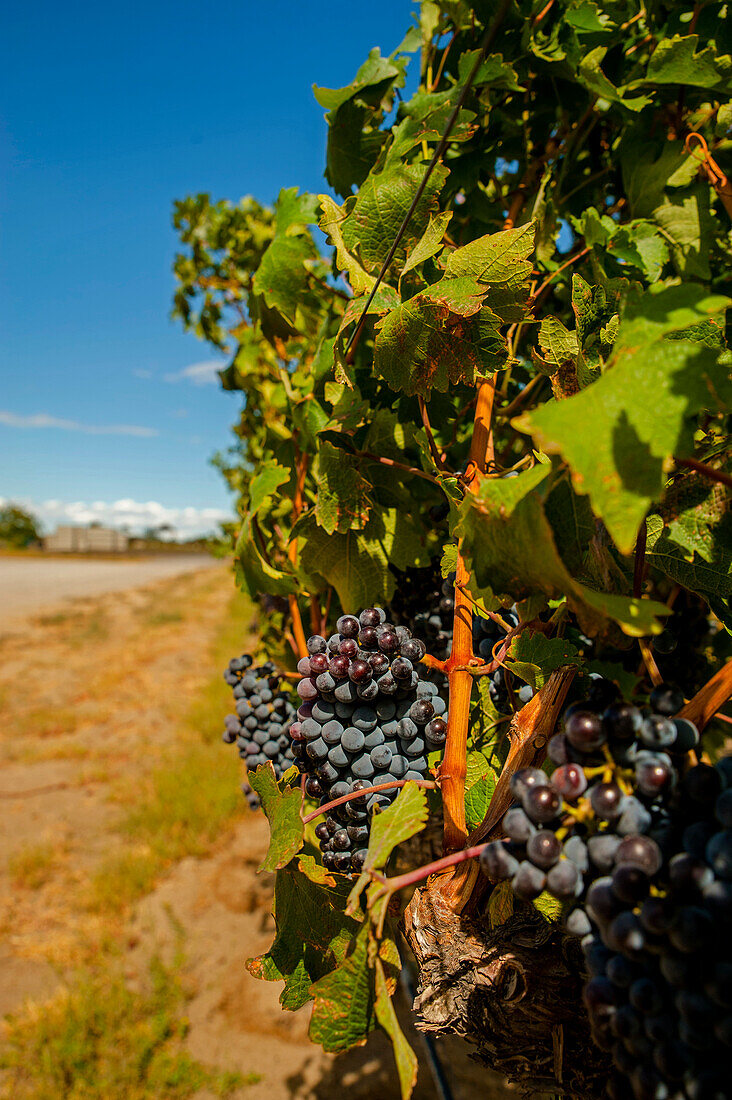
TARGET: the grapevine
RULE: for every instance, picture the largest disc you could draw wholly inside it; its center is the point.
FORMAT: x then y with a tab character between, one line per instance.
482	473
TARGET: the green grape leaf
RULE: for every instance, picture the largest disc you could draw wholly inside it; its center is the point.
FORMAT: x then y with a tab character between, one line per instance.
356	563
678	60
557	344
501	903
533	657
380	207
404	1056
694	546
404	818
331	223
282	810
265	484
439	337
312	936
509	547
480	783
429	243
343	1009
549	907
500	259
617	433
592	76
353	145
344	496
253	570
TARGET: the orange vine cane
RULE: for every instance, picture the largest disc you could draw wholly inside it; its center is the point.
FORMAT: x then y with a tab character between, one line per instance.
295	616
713	172
453	768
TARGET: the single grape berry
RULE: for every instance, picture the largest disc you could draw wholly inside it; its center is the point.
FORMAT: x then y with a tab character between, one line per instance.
542	804
584	730
348	626
606	800
544	849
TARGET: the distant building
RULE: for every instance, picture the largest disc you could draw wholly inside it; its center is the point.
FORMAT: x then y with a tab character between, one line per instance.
84	540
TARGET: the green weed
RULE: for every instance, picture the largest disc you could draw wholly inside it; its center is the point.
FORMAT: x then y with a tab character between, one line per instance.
99	1040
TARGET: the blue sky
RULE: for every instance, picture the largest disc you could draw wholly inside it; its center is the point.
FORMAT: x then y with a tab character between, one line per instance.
108	113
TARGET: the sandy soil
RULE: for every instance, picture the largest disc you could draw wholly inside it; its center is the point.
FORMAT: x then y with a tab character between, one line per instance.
28	585
96	692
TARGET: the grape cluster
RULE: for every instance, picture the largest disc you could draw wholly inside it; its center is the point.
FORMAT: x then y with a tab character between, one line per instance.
659	995
366	718
425	603
679	650
264	715
641	853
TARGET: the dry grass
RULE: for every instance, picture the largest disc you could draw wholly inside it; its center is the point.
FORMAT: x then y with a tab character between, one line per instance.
33	865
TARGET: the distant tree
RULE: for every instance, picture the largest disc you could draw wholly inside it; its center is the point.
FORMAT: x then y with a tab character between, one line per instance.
17	526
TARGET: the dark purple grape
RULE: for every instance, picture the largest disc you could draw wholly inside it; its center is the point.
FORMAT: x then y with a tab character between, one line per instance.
719	855
542	804
570	781
401	669
360	671
413	649
316	644
723	809
653	777
641	852
666	700
626	933
577	923
657	732
602	903
687	736
584	731
622	721
318	663
544	849
313	787
563	879
606	800
559	750
496	862
702	784
517	825
602	849
348	626
422	711
691	927
630	884
369	617
527	777
389	641
368	638
528	882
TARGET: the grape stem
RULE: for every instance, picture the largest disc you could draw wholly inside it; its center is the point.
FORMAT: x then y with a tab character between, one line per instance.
427	784
401	882
708	700
301	465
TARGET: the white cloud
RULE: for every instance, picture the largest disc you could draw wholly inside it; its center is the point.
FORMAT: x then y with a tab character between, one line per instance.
134	515
200	374
43	420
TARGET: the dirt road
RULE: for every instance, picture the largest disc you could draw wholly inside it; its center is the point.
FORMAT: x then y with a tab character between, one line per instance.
32	584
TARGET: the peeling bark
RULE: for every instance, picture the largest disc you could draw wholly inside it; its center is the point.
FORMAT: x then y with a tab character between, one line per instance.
514	991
